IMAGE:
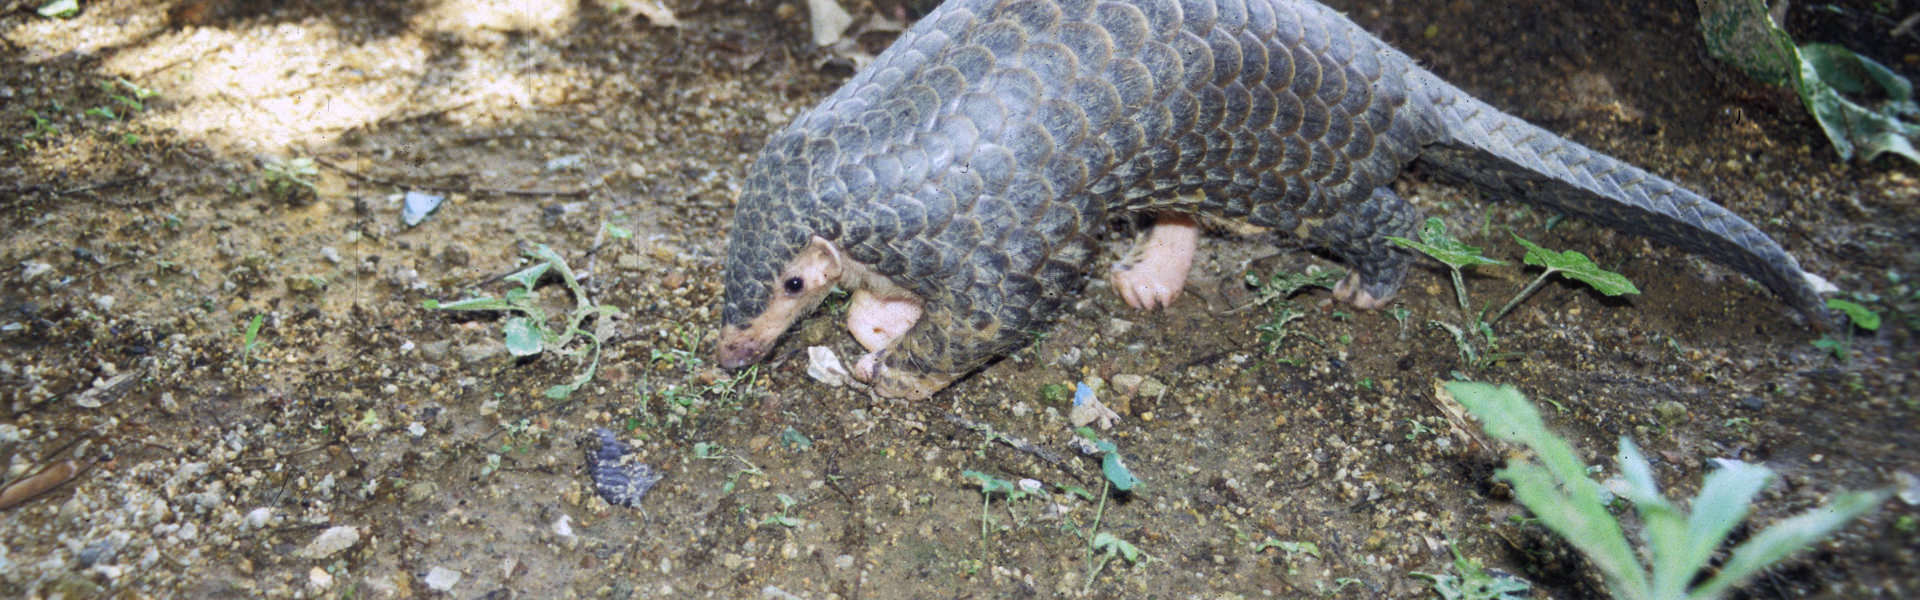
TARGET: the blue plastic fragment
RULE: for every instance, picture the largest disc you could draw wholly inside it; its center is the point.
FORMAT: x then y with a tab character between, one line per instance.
1082	394
418	205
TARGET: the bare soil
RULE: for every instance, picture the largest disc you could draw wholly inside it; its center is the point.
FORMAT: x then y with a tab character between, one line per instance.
141	244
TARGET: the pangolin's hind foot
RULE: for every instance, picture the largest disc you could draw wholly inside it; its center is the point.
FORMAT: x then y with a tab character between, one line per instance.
1352	291
876	321
1152	273
1358	234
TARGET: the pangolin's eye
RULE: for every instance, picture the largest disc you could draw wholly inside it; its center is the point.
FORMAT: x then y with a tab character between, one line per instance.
794	285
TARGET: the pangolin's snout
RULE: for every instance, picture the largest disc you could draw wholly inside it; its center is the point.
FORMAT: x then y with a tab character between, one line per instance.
738	349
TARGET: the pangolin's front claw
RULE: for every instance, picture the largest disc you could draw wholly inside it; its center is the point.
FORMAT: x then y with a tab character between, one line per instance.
899	383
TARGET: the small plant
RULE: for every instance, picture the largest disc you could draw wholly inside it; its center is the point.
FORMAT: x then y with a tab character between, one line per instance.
1571	264
1435	242
1556	488
1861	317
1470	352
1289	551
1456	255
783	519
1274	292
526	334
42	127
991	486
250	336
290	180
1116	477
686	357
1474	582
1101	547
712	451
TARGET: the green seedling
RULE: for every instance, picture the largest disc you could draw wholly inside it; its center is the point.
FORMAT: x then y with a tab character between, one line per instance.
1273	333
1455	254
1471	353
250	337
1555	486
991	486
712	451
1474	582
1416	428
1571	264
1107	546
1861	317
1056	394
527	334
1275	291
1289	550
684	400
616	231
42	126
1116	476
1400	314
102	112
687	356
291	179
782	519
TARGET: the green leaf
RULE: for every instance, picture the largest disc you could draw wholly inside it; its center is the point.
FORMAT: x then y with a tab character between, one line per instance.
1861	316
795	441
482	303
1829	73
1742	33
1828	343
1435	242
523	336
59	9
1117	473
988	483
1787	537
1557	489
529	276
1722	503
1578	266
1083	493
1111	544
1665	524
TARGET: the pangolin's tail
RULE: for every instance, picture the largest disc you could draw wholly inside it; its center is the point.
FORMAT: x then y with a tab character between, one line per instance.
1509	156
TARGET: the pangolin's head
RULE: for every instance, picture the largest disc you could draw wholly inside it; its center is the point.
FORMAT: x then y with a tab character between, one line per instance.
778	265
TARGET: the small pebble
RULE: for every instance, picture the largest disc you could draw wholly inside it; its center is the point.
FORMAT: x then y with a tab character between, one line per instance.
442	579
331	542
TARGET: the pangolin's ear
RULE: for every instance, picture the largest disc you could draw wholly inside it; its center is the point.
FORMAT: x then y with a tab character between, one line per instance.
824	250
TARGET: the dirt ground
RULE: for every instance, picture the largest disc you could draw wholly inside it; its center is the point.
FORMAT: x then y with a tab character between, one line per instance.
355	444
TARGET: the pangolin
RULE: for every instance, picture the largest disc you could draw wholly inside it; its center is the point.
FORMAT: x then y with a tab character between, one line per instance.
957	185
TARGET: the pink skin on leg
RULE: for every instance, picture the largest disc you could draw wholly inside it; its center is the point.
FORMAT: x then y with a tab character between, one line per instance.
876	322
1152	273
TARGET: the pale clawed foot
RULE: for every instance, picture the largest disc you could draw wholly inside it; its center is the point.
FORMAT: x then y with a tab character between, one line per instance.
1350	291
876	322
898	383
1155	269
